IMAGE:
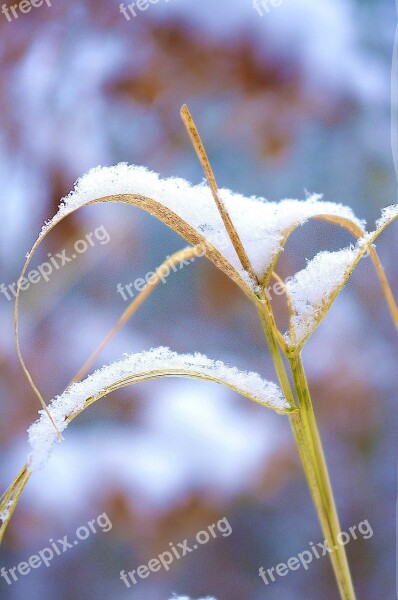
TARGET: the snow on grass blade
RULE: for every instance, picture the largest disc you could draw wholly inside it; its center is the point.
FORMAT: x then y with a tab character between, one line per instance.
312	288
158	362
388	214
260	224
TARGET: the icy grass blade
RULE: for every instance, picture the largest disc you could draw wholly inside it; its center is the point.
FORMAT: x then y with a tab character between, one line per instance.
357	229
313	208
111	180
191	212
133	368
388	214
5	511
313	290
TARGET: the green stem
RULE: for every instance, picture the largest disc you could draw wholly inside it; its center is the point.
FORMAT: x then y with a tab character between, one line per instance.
320	487
267	323
309	445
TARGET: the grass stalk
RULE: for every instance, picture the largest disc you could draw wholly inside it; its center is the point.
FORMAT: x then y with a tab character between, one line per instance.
306	434
204	161
310	446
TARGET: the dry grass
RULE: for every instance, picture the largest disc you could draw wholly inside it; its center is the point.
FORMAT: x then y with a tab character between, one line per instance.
301	413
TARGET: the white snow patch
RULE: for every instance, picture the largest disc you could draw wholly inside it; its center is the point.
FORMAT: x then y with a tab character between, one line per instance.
260	223
42	434
312	287
4	514
230	443
388	213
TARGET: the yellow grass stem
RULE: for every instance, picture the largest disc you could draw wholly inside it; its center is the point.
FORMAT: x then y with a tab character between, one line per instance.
310	449
204	161
310	445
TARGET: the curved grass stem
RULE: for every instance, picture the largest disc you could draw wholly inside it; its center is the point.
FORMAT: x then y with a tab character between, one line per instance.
161	272
10	498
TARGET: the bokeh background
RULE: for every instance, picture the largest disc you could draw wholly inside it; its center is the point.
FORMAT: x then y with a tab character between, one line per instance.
297	100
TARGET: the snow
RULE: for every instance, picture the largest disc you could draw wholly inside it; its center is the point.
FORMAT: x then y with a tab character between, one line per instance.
260	224
313	287
42	435
230	444
388	213
6	512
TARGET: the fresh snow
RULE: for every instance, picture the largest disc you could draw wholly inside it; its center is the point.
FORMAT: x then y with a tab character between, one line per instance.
388	213
312	287
42	434
229	444
259	223
6	512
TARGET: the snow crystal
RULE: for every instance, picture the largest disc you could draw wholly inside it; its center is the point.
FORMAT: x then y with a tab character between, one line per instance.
260	223
388	213
312	287
42	435
4	514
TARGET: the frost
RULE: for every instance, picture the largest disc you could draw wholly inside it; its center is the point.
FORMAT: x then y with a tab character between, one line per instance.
4	514
42	435
387	214
312	287
260	223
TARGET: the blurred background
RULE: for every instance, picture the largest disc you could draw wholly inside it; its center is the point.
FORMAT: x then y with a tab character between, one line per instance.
289	99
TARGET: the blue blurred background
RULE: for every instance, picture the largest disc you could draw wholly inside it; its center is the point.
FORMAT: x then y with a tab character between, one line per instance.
293	100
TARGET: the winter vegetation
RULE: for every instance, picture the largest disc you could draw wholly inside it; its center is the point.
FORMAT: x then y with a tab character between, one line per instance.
158	362
244	237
